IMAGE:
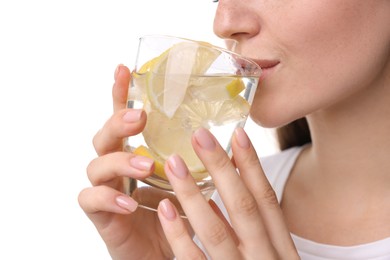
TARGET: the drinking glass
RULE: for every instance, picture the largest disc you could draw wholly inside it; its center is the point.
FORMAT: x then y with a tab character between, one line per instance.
183	85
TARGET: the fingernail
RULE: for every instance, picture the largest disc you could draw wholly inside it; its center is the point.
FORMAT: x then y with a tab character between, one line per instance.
177	166
167	209
117	70
132	116
141	163
127	203
204	138
242	138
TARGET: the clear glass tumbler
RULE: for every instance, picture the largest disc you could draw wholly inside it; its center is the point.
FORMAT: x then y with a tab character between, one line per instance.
183	85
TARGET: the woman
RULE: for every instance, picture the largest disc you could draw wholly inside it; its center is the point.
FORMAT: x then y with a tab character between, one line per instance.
325	61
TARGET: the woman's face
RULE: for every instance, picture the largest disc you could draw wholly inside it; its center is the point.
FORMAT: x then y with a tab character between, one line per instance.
314	53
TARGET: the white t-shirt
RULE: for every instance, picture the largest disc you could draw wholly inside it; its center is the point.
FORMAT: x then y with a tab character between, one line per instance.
277	168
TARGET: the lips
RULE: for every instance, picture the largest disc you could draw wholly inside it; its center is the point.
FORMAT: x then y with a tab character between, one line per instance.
267	64
267	67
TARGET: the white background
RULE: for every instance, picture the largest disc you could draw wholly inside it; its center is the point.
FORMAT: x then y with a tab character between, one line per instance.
57	60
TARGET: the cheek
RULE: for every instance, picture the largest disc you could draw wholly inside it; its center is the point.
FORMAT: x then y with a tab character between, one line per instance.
323	61
302	38
345	42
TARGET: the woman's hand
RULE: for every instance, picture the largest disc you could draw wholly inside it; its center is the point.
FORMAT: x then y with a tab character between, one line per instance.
257	229
128	234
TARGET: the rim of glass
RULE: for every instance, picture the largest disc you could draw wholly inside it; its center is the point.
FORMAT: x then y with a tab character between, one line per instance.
205	44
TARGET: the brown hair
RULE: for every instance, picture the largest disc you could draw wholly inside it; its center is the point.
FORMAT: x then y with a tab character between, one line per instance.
296	133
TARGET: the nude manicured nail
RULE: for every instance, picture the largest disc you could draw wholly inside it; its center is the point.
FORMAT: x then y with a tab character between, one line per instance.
177	166
167	209
132	116
204	138
141	163
242	138
127	203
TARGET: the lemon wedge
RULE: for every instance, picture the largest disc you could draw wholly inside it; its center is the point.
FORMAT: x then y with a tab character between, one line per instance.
216	88
158	165
235	87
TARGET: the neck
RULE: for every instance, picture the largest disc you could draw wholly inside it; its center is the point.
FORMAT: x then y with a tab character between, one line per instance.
351	141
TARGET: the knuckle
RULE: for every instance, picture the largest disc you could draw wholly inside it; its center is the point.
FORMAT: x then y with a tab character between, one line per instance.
251	160
90	171
95	139
290	255
246	205
269	196
295	256
222	163
179	237
101	140
189	194
194	255
82	197
177	233
217	234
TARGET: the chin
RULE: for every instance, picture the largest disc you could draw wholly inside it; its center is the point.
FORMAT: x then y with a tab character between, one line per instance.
269	119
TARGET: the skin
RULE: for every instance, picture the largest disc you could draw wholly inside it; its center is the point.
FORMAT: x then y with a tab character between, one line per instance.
334	68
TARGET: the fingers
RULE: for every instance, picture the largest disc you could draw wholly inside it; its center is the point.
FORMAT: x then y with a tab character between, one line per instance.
105	199
210	229
176	233
219	213
253	176
105	169
239	201
126	122
258	225
120	87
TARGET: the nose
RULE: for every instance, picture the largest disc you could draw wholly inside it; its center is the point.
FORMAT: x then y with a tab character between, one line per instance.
236	20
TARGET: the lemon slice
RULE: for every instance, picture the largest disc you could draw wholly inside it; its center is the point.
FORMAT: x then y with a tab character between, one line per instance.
197	113
167	136
171	74
184	101
139	79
